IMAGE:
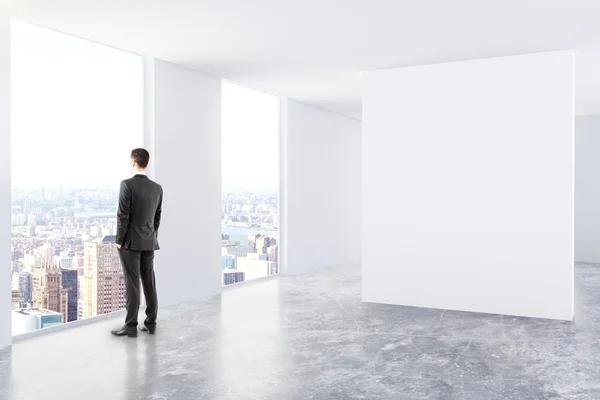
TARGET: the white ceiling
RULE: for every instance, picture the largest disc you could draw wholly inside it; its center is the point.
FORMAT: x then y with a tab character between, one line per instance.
314	50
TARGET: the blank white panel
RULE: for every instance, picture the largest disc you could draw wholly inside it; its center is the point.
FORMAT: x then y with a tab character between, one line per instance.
5	182
587	189
468	186
186	140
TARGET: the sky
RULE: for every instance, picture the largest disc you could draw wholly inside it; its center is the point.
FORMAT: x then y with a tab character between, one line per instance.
77	111
250	139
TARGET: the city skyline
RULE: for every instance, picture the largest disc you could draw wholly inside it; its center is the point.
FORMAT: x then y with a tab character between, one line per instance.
67	164
65	266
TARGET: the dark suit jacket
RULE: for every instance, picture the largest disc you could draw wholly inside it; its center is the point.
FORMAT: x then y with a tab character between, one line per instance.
138	218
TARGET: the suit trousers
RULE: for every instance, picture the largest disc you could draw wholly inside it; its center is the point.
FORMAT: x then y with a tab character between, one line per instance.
139	265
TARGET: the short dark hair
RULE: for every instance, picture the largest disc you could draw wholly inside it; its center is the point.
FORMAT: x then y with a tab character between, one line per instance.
141	157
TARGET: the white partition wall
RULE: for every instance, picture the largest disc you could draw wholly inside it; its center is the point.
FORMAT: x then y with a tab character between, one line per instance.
321	189
468	186
587	189
183	131
5	181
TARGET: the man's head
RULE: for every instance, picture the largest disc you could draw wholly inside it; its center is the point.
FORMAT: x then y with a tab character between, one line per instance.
139	160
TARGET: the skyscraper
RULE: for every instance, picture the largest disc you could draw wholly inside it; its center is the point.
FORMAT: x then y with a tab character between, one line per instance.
227	261
95	231
66	262
69	285
47	287
232	276
26	288
103	283
47	252
20	219
15	299
15	281
272	253
17	254
31	261
77	261
252	239
263	243
31	219
238	251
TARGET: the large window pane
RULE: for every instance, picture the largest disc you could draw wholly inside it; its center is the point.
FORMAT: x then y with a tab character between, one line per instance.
250	205
76	115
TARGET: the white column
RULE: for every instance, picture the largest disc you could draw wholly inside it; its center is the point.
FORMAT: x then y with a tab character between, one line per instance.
468	186
183	134
283	188
148	72
587	195
5	183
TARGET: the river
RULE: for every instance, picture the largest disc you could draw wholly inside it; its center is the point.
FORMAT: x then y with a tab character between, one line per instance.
241	234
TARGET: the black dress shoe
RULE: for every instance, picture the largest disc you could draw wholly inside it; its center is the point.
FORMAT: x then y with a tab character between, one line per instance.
125	331
150	329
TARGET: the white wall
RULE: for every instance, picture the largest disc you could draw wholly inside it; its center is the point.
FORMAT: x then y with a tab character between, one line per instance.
587	188
5	183
321	189
468	186
183	128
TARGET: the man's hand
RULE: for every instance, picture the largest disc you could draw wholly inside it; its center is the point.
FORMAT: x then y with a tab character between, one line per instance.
118	246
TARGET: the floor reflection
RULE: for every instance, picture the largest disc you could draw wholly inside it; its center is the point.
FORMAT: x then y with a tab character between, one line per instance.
250	358
311	337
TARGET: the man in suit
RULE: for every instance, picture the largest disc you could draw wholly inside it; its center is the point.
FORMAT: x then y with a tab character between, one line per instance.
138	219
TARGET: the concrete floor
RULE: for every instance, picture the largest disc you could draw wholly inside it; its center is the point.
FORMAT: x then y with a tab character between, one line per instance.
310	337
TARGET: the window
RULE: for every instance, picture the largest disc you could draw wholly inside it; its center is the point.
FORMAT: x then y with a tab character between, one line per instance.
250	201
77	111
